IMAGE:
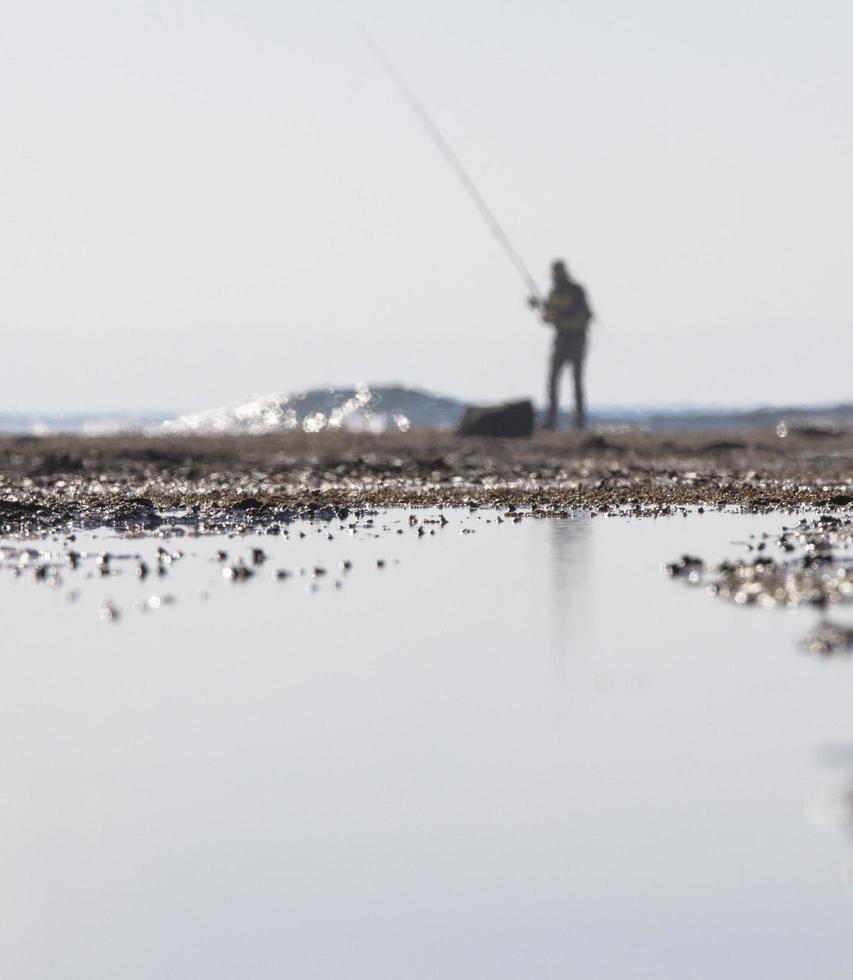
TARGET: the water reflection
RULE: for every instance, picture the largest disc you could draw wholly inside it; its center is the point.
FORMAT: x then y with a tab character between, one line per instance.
572	576
832	807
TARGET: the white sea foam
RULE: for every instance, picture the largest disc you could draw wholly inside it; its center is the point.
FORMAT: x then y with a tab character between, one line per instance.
333	409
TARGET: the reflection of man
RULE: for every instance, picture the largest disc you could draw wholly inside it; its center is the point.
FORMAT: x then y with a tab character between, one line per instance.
568	310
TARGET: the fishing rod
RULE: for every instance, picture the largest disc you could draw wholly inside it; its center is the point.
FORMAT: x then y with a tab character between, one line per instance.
455	164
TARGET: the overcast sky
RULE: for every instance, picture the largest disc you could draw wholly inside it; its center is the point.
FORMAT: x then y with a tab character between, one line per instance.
203	200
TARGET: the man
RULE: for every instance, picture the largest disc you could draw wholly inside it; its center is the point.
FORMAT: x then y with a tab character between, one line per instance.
568	310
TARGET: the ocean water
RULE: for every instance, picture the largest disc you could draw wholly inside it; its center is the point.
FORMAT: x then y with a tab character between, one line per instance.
489	750
381	408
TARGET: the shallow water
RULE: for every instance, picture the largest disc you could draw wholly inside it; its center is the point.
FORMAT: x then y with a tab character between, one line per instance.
521	751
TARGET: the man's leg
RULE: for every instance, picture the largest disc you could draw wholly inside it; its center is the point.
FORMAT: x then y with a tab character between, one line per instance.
554	386
580	403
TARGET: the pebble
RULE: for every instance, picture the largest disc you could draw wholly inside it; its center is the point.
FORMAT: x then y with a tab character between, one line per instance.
238	572
108	612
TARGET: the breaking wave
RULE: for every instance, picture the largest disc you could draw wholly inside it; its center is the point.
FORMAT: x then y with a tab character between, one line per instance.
358	409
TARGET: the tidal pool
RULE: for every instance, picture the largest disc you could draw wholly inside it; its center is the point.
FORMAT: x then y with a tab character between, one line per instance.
497	750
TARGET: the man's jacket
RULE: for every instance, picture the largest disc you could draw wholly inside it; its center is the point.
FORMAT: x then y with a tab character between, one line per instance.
567	308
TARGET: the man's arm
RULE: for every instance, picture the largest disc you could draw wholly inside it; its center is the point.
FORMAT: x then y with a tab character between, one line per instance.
535	303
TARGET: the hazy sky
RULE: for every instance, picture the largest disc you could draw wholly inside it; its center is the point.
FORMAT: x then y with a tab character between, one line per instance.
202	200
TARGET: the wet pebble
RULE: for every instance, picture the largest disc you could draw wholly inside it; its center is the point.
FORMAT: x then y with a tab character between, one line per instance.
108	612
238	572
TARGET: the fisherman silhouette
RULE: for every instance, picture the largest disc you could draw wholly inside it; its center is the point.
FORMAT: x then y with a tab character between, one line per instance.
567	310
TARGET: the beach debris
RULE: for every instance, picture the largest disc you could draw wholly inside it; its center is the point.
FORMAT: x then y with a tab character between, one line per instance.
814	566
829	638
238	572
159	601
108	612
687	565
43	565
508	420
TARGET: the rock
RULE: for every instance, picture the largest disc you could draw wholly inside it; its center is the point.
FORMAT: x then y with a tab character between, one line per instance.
247	504
685	565
237	572
508	420
139	511
108	612
829	638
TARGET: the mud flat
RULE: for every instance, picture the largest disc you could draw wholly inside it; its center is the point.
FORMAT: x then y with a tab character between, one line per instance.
133	480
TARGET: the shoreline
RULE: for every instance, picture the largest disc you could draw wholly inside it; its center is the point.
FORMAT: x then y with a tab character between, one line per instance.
141	482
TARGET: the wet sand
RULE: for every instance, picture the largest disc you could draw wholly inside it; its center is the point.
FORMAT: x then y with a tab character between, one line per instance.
131	481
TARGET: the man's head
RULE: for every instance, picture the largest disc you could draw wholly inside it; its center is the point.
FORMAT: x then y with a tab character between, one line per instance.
559	272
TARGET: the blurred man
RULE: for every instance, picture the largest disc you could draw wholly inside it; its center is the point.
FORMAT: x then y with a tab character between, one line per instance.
567	309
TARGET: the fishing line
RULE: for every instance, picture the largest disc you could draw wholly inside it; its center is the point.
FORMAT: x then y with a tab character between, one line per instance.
447	152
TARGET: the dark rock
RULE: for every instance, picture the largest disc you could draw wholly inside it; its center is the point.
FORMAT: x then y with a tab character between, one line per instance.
685	565
237	572
509	420
814	429
19	515
139	510
247	504
17	511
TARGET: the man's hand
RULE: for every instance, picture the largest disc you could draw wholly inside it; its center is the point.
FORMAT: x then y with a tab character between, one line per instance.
534	302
